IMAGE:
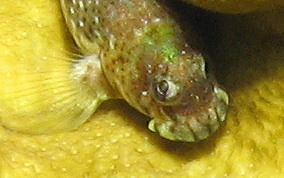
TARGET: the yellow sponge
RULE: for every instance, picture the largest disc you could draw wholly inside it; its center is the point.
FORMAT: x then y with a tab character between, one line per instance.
115	142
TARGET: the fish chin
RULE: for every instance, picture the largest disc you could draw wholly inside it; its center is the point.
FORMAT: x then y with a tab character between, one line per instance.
195	127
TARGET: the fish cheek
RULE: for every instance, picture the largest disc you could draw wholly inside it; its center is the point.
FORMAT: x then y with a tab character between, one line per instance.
139	88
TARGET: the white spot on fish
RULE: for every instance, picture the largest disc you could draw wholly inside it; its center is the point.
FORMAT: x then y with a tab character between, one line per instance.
149	68
111	42
81	23
72	11
144	93
196	98
161	66
96	19
157	20
81	5
144	21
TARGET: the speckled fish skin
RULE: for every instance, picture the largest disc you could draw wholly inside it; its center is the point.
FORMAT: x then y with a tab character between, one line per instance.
146	58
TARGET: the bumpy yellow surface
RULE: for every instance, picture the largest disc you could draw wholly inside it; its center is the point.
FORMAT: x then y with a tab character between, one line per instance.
116	143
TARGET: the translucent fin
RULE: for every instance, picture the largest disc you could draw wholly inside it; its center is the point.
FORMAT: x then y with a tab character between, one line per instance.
50	95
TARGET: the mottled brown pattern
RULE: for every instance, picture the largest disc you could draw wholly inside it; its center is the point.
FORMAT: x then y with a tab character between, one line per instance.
140	43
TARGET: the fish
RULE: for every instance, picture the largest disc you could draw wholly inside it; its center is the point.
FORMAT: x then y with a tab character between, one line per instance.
147	60
133	50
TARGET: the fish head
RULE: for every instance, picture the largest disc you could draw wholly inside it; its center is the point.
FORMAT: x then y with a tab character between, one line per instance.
184	101
187	104
164	77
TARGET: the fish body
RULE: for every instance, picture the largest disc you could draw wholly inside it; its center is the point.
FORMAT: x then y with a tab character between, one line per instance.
149	62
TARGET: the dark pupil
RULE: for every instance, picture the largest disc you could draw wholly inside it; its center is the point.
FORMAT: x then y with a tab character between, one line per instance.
162	88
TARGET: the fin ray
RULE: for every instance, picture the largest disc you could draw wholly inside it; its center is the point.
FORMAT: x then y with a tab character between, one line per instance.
49	99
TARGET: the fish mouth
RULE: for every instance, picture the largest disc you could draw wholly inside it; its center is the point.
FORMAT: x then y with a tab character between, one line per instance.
195	127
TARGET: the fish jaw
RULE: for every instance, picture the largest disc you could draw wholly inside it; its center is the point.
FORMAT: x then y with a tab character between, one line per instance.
195	127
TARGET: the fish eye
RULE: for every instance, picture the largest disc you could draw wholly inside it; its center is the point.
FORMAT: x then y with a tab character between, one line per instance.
162	88
165	90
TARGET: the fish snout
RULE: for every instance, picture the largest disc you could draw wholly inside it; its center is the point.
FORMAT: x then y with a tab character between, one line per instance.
197	126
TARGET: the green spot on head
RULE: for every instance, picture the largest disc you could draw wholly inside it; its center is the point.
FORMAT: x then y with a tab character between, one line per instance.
169	51
162	37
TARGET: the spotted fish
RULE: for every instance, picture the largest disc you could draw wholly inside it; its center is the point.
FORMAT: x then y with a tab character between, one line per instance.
147	60
133	50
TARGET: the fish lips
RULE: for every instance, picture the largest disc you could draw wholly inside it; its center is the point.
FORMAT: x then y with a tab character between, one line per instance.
195	127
